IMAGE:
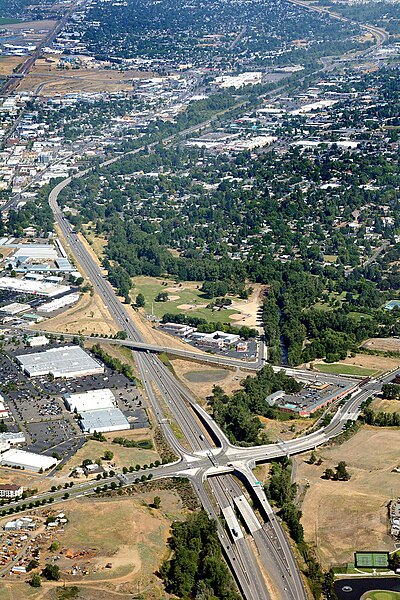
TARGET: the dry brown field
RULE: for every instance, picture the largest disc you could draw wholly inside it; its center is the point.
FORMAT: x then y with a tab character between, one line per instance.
47	79
383	344
342	517
88	316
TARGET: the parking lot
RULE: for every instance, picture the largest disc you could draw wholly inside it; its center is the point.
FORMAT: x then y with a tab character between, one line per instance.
50	435
37	405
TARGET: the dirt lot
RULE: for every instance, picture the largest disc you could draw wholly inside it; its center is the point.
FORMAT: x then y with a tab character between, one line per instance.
342	517
380	363
248	309
383	344
27	480
88	316
389	406
202	389
61	81
123	532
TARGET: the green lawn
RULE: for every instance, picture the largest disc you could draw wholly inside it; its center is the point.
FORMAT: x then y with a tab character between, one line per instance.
150	288
333	297
358	316
380	595
8	21
340	369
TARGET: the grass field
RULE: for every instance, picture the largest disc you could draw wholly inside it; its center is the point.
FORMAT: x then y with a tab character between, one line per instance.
380	595
333	298
184	298
122	456
341	369
8	21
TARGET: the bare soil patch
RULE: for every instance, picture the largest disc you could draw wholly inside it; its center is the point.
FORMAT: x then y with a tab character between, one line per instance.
202	389
368	361
61	81
247	310
342	517
383	344
88	316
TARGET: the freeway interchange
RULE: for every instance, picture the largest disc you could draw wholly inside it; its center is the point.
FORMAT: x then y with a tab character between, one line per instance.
208	459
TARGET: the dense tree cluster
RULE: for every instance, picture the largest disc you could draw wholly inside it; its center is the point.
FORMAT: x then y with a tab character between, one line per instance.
197	569
237	414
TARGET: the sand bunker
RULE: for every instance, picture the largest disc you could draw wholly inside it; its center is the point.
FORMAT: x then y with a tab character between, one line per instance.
236	317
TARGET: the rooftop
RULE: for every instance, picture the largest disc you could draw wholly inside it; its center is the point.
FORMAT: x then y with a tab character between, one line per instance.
66	361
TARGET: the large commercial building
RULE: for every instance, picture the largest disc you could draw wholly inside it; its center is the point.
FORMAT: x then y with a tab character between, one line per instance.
97	411
66	361
58	303
92	400
103	420
27	460
28	286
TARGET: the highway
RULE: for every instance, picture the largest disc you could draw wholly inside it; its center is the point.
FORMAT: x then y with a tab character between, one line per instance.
23	69
379	34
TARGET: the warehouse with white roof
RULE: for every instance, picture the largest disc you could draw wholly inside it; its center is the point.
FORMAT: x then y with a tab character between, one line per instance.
66	361
27	286
92	400
97	410
103	420
27	460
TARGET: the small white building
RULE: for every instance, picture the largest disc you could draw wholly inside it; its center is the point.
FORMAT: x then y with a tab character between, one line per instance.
37	340
10	490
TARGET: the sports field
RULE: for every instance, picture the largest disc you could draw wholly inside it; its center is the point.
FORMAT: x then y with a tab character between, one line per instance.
379	595
342	369
373	560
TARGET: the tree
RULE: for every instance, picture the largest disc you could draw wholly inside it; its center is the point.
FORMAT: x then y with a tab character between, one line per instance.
329	473
54	546
162	297
3	427
313	458
32	564
341	472
108	455
391	391
35	582
140	300
157	502
51	572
